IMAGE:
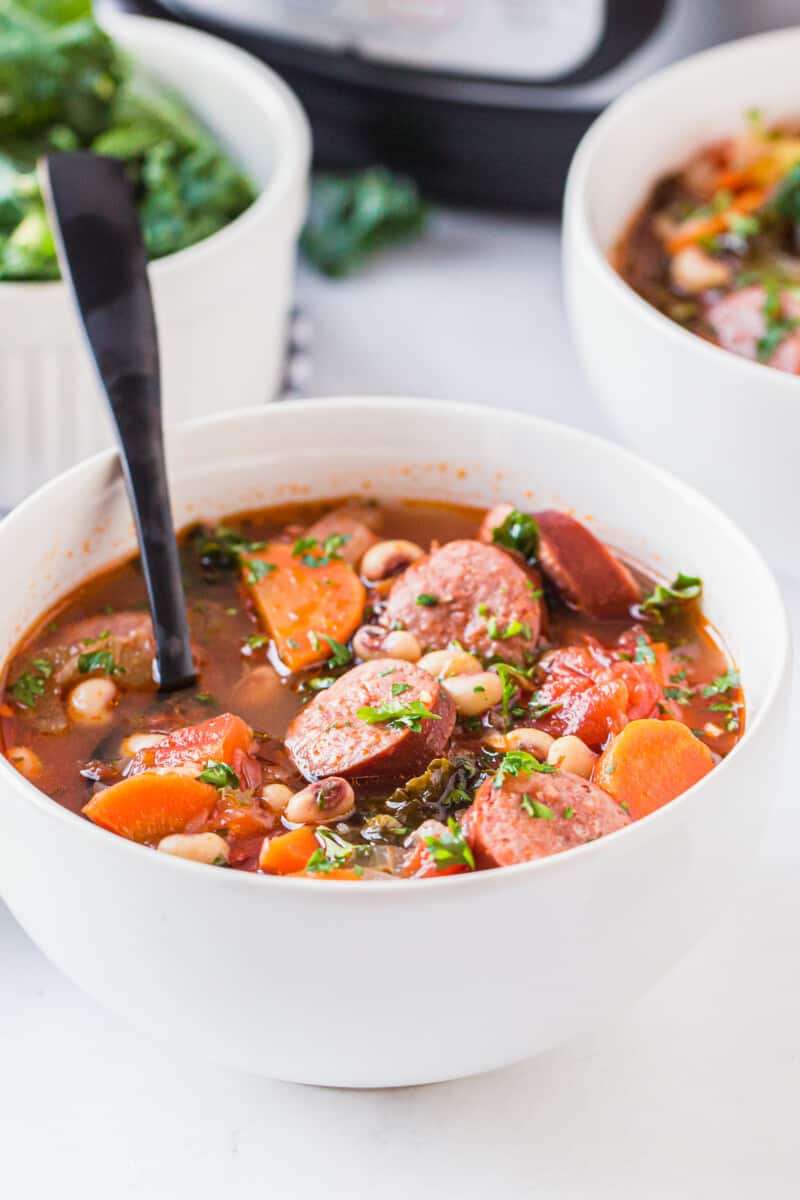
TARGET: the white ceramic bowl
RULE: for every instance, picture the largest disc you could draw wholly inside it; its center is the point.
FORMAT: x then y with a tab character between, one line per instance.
221	305
730	426
384	984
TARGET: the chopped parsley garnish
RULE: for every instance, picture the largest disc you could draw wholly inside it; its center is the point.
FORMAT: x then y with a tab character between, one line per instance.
520	762
539	708
323	554
256	569
535	808
569	812
334	852
398	715
28	688
681	695
683	589
256	641
43	666
219	775
512	678
399	688
451	849
340	654
520	532
644	651
723	683
100	637
99	660
426	600
320	682
204	698
777	326
786	201
224	549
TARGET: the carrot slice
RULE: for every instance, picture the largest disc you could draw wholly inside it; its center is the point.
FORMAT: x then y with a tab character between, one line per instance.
288	853
650	763
148	807
695	229
301	605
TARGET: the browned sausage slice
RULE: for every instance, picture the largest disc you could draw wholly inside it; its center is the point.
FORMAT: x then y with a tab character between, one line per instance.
584	571
503	832
470	593
358	523
329	738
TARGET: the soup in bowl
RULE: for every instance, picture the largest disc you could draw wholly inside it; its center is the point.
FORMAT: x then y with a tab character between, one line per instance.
415	668
692	349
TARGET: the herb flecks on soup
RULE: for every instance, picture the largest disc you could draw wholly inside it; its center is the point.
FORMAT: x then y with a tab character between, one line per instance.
717	245
386	690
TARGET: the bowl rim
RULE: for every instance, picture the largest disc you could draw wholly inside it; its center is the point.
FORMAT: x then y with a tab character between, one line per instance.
293	147
364	406
578	226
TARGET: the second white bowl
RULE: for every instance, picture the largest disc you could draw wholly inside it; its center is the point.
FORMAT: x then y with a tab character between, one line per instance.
221	305
730	426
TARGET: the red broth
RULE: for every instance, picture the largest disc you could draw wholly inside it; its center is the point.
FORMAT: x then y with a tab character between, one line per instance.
613	684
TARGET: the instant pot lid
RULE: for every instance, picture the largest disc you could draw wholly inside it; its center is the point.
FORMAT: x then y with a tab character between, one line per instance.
497	142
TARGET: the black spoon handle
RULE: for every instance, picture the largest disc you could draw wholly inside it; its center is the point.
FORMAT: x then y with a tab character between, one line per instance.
102	255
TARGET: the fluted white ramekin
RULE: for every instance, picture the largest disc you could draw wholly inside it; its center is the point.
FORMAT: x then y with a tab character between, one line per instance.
221	305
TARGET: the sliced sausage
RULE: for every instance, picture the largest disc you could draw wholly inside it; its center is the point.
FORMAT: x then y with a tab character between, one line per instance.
470	593
587	575
329	738
126	636
503	832
358	523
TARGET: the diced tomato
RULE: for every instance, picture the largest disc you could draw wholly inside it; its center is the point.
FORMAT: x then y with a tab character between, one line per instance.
219	739
596	694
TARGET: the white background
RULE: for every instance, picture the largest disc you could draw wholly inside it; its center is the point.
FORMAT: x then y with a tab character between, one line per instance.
693	1091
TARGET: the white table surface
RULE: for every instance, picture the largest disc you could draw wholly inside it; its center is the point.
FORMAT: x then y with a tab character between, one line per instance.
692	1092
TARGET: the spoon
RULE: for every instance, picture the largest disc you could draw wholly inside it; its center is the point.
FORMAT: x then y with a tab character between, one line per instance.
102	256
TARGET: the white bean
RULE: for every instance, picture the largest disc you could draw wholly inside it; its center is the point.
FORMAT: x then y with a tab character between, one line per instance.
534	741
475	694
275	796
25	760
571	754
92	700
445	663
326	800
387	558
398	643
197	847
135	742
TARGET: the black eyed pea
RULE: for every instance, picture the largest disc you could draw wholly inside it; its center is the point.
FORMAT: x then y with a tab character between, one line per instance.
571	754
275	796
373	641
91	701
368	642
474	694
533	741
443	664
25	760
197	847
385	559
326	800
